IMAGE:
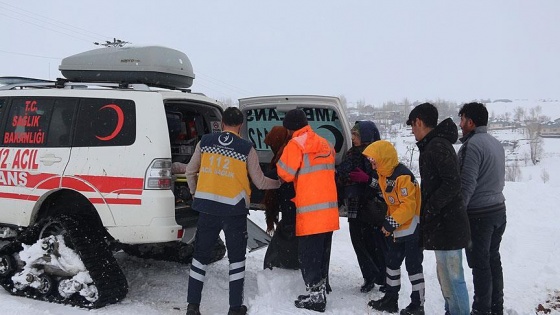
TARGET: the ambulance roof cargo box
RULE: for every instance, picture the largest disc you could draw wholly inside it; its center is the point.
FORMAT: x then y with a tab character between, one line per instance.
152	65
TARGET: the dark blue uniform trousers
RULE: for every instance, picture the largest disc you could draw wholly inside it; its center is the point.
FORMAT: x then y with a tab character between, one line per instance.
314	258
208	231
397	252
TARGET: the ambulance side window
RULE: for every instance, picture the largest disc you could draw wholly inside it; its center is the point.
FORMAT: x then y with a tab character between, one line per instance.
28	122
62	118
105	122
3	103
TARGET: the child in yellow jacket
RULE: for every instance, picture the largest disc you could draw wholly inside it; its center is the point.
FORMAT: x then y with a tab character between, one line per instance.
403	197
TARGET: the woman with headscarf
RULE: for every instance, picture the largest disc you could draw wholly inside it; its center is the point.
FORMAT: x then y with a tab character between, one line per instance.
282	252
367	240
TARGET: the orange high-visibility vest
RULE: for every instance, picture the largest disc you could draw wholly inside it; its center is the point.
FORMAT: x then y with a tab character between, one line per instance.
308	160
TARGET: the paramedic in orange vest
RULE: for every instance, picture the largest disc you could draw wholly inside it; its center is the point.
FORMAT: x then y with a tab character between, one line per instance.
218	177
308	161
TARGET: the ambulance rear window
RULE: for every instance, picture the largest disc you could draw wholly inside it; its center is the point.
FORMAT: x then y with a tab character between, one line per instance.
325	122
105	122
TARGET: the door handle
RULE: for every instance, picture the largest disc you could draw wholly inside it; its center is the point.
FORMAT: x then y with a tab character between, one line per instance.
49	159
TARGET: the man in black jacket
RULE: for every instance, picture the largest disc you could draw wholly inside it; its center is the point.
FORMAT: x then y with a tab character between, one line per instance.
444	221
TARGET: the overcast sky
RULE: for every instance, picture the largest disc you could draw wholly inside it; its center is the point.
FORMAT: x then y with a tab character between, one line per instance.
375	51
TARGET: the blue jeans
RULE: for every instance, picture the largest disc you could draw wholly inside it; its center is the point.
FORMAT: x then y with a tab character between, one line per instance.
451	279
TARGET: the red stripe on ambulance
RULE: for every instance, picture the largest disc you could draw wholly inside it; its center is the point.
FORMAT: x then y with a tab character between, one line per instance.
84	184
111	184
19	196
76	184
116	201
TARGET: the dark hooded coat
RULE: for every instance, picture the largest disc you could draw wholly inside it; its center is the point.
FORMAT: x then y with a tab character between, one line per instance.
282	252
355	159
444	220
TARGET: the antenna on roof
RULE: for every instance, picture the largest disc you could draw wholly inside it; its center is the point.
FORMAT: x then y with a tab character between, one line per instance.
114	43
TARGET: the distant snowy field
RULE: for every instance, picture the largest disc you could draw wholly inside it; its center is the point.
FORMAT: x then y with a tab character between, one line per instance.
550	108
530	256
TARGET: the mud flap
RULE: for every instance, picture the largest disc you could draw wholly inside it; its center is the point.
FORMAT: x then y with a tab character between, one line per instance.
257	237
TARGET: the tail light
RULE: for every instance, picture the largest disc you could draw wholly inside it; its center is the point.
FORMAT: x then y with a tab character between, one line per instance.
158	175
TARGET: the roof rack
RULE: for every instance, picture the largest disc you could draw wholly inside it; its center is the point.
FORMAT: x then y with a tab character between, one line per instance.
60	83
19	80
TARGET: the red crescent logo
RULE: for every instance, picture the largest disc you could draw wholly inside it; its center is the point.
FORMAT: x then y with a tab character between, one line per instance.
120	122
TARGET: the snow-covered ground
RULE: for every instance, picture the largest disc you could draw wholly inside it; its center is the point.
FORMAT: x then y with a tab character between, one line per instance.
530	256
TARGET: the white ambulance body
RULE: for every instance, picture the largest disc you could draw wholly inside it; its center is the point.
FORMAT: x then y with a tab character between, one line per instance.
88	159
122	168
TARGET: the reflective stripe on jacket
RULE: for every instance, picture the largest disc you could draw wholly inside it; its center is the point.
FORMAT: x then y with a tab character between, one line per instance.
403	197
400	190
223	185
308	161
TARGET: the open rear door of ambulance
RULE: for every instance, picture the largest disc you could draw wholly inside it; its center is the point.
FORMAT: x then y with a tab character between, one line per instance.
325	115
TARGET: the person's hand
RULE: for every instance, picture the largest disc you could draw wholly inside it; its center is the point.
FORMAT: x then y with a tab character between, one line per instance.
358	176
385	232
178	168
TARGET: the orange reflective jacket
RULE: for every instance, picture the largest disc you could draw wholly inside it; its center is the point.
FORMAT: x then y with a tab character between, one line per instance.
308	161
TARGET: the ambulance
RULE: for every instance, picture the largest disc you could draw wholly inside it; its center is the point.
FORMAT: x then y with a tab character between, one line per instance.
85	165
88	158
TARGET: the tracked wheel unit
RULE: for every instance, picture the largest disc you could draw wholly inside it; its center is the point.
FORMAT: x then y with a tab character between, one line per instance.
42	278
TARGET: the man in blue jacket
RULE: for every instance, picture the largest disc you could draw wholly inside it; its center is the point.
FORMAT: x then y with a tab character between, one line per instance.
482	163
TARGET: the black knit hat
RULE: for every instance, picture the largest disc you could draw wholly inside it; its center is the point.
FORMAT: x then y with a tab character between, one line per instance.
295	119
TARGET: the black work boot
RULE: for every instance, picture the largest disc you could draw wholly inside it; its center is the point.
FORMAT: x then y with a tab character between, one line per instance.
367	286
303	297
241	310
315	301
192	309
413	309
388	303
327	290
